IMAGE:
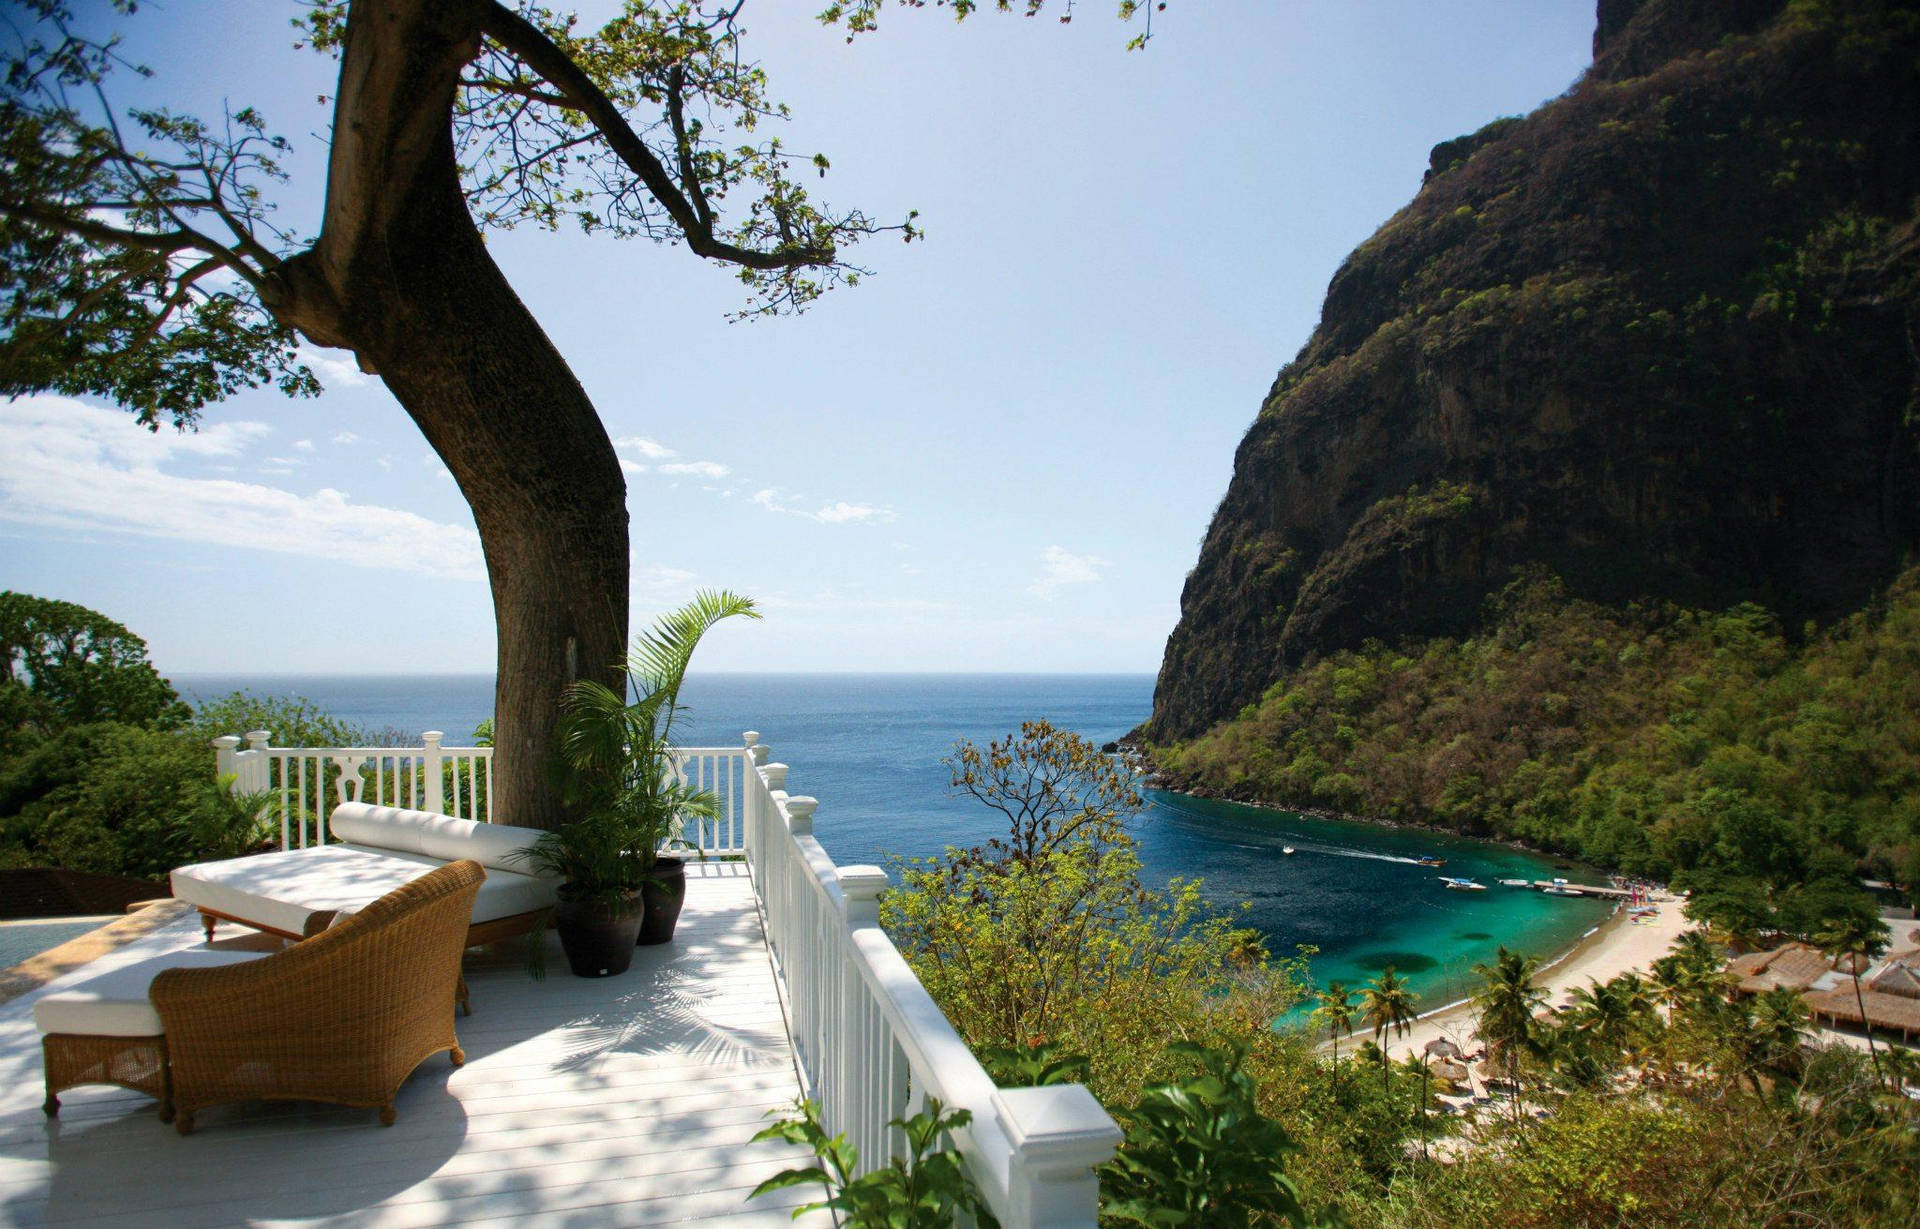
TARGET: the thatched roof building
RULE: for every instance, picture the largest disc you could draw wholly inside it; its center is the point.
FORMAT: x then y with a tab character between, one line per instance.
1793	965
1888	1013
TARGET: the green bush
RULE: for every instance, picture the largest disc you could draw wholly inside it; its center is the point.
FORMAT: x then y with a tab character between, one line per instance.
928	1188
103	769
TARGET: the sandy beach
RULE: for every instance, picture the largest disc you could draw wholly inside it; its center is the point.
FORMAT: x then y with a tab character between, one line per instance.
1618	945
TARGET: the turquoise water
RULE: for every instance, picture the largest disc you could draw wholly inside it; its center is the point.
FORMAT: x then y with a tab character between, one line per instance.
869	747
1355	892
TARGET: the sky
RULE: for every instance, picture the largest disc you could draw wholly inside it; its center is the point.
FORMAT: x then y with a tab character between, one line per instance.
999	452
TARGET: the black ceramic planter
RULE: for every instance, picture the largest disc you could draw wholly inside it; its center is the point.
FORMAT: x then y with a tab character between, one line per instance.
597	935
663	891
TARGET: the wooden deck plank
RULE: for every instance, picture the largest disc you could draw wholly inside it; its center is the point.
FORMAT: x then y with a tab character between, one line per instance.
628	1100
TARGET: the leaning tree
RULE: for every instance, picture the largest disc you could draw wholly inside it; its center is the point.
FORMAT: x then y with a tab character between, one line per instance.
140	260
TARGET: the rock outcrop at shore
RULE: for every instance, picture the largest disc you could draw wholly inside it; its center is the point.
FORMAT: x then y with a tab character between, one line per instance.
1661	336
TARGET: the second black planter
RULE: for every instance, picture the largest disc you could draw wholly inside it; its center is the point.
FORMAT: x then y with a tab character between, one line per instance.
663	891
597	934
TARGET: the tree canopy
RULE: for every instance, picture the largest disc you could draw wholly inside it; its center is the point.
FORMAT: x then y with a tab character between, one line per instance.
62	664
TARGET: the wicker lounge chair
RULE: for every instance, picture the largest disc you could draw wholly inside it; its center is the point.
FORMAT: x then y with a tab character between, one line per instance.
342	1017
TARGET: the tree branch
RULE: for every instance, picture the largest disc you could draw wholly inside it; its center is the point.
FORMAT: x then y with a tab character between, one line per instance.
525	40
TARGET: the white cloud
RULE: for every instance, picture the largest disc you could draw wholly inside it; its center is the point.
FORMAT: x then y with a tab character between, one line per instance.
702	469
651	449
1063	567
346	437
74	466
337	368
303	445
843	513
662	582
632	467
840	512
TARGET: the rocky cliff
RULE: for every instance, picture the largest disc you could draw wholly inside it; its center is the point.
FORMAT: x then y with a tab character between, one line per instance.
1662	336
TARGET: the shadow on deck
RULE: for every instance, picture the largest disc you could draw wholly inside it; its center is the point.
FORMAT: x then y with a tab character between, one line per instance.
628	1100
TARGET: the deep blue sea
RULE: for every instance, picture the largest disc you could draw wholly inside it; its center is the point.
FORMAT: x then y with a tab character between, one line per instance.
869	747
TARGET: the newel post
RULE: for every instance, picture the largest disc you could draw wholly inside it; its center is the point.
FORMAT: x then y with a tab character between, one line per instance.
800	815
776	775
1060	1135
224	764
860	888
430	766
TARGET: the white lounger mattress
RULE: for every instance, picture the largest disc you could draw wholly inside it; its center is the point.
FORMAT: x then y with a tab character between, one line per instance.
281	890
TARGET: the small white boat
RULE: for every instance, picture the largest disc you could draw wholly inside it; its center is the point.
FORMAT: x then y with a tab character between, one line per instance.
1515	883
1562	888
1462	885
1287	849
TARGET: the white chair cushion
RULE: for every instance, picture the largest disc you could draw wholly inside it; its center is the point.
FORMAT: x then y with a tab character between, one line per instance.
115	1004
436	836
279	891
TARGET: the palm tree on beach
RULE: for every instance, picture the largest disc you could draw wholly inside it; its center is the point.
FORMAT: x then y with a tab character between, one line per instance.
1507	1000
1386	1003
1857	938
1775	1028
1613	1013
1698	948
1335	1010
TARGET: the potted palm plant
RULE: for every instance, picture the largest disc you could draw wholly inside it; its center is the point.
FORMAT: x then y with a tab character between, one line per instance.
599	905
618	775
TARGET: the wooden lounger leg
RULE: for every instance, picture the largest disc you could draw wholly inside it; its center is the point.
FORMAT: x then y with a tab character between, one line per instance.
209	921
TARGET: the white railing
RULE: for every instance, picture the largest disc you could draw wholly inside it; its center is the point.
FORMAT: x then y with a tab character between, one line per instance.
306	783
872	1044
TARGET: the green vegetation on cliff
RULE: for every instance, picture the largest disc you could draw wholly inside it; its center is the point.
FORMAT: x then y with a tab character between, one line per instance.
1705	747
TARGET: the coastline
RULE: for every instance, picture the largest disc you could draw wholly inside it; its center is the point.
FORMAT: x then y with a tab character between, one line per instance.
1157	780
1617	945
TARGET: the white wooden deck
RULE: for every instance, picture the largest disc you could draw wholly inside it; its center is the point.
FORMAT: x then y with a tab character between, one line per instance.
623	1101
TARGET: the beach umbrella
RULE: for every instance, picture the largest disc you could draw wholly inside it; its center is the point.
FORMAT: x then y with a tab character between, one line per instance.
1451	1072
1440	1047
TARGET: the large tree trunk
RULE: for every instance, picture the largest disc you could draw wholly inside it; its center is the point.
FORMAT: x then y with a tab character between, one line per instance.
401	276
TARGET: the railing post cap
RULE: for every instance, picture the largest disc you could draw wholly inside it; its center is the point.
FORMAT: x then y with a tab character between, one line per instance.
758	753
227	742
1059	1126
749	738
863	882
259	736
801	804
431	737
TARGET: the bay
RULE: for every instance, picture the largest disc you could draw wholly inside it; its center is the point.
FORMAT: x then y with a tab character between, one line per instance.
869	747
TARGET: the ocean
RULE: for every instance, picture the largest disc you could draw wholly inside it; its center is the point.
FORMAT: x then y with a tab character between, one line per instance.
869	747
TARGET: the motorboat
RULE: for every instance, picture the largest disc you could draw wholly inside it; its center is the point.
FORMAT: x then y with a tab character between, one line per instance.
1430	860
1516	883
1462	885
1287	849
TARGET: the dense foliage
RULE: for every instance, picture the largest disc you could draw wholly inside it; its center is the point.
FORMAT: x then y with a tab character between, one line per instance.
1645	1101
103	768
927	1188
1709	748
1051	935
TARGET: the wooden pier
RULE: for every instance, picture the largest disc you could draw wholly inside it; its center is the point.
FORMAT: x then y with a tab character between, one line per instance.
1588	889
